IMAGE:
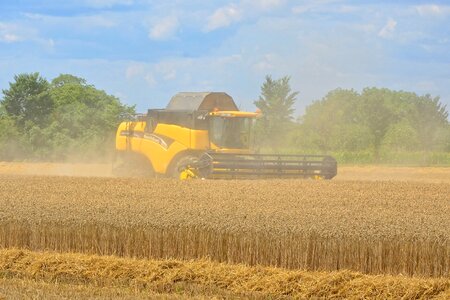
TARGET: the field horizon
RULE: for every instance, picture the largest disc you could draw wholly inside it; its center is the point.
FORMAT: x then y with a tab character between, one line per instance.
371	172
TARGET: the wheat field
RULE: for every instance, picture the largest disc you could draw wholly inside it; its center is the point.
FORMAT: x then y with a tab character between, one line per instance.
369	227
372	233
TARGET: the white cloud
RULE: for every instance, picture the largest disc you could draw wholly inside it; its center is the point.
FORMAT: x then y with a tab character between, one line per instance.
300	9
13	33
8	33
230	59
164	29
266	63
234	12
432	10
366	28
266	4
150	79
107	3
134	70
170	75
348	9
324	7
97	21
9	38
89	22
388	30
46	44
224	17
167	70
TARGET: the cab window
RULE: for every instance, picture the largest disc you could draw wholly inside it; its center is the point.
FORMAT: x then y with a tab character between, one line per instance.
231	132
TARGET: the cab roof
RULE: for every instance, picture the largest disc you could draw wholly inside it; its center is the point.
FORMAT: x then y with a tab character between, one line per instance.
208	101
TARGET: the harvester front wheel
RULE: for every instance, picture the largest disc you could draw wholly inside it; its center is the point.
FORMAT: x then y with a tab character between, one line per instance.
182	168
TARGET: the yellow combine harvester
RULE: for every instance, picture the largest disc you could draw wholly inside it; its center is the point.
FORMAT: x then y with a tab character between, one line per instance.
204	135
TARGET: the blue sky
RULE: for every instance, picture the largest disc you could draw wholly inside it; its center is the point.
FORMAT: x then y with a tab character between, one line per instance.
144	51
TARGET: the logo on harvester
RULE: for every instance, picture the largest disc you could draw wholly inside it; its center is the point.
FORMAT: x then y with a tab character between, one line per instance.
131	133
156	139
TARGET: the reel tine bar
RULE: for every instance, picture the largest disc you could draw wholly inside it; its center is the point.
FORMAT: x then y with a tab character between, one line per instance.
231	165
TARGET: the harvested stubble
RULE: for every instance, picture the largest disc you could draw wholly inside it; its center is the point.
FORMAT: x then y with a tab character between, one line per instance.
203	277
372	227
25	289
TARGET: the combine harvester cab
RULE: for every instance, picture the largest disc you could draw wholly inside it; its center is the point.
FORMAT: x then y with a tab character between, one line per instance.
204	135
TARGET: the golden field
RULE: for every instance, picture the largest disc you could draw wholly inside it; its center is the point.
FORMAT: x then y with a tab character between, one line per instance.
371	227
373	232
54	276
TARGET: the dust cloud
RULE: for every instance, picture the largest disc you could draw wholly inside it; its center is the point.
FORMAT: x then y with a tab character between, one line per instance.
56	169
84	163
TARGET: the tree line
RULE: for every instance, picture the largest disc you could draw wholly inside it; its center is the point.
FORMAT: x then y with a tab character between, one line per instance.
376	121
67	118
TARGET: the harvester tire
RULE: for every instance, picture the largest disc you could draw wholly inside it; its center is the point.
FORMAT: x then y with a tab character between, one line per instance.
181	164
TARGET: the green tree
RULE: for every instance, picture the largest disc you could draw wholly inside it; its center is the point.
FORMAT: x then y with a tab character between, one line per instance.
376	107
84	119
401	136
11	144
276	104
376	120
65	79
430	119
333	124
446	136
27	100
64	119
